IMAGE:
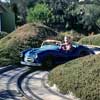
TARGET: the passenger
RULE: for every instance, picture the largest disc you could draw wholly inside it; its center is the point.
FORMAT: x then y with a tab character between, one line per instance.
67	43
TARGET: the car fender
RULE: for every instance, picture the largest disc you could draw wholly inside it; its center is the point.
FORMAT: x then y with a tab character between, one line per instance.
44	54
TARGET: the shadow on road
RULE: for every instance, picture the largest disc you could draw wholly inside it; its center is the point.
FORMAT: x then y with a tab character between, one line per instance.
9	94
42	68
4	94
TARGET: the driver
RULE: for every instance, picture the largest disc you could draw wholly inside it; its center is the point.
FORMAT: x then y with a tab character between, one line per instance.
67	43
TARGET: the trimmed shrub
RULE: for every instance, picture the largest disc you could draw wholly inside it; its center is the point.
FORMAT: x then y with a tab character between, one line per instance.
80	76
91	40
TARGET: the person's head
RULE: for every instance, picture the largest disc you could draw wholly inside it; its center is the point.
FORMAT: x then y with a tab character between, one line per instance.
67	39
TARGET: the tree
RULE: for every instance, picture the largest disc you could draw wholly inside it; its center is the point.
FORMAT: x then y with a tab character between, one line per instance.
66	15
40	13
90	19
15	10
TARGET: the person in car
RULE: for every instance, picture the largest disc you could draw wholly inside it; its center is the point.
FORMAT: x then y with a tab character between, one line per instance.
67	45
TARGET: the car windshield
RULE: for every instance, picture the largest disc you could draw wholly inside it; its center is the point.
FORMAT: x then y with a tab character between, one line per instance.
74	44
51	42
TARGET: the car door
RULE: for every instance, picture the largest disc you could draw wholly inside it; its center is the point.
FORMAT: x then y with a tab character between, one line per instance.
64	55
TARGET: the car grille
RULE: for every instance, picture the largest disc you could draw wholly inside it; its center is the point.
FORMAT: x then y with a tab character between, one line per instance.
29	60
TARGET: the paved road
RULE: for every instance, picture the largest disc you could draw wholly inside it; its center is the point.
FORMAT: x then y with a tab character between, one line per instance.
34	85
8	78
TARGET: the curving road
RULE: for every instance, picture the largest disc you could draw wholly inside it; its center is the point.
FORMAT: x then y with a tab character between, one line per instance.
35	88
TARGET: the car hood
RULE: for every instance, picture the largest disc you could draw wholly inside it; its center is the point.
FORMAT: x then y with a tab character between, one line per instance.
41	49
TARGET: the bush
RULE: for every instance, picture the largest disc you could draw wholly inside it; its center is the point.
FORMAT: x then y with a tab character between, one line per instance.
40	13
80	76
5	61
91	40
74	35
3	34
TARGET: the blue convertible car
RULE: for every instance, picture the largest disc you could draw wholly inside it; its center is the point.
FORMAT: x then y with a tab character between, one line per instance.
50	53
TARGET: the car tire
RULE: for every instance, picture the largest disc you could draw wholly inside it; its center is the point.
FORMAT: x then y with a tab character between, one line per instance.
48	62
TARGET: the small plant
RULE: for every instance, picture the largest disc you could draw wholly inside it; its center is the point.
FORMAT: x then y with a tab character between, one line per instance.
3	34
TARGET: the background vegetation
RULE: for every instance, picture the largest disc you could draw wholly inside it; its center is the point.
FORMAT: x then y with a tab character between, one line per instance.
83	17
40	13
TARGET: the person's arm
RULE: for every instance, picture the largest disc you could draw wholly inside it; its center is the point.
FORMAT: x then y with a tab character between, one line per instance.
63	47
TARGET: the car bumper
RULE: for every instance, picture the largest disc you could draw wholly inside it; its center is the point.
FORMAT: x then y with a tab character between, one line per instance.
30	64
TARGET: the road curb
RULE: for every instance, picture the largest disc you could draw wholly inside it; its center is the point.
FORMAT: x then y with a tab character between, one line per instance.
55	92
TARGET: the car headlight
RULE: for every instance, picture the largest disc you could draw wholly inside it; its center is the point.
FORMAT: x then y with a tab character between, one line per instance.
35	56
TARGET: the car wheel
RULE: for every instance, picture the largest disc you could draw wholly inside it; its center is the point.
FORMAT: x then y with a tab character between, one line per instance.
83	53
48	62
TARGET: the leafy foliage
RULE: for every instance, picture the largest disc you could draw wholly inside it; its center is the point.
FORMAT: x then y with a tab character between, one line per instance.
51	13
80	76
88	16
40	13
67	15
63	14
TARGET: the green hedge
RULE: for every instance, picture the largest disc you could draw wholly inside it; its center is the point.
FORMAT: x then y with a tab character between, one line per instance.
80	76
91	40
